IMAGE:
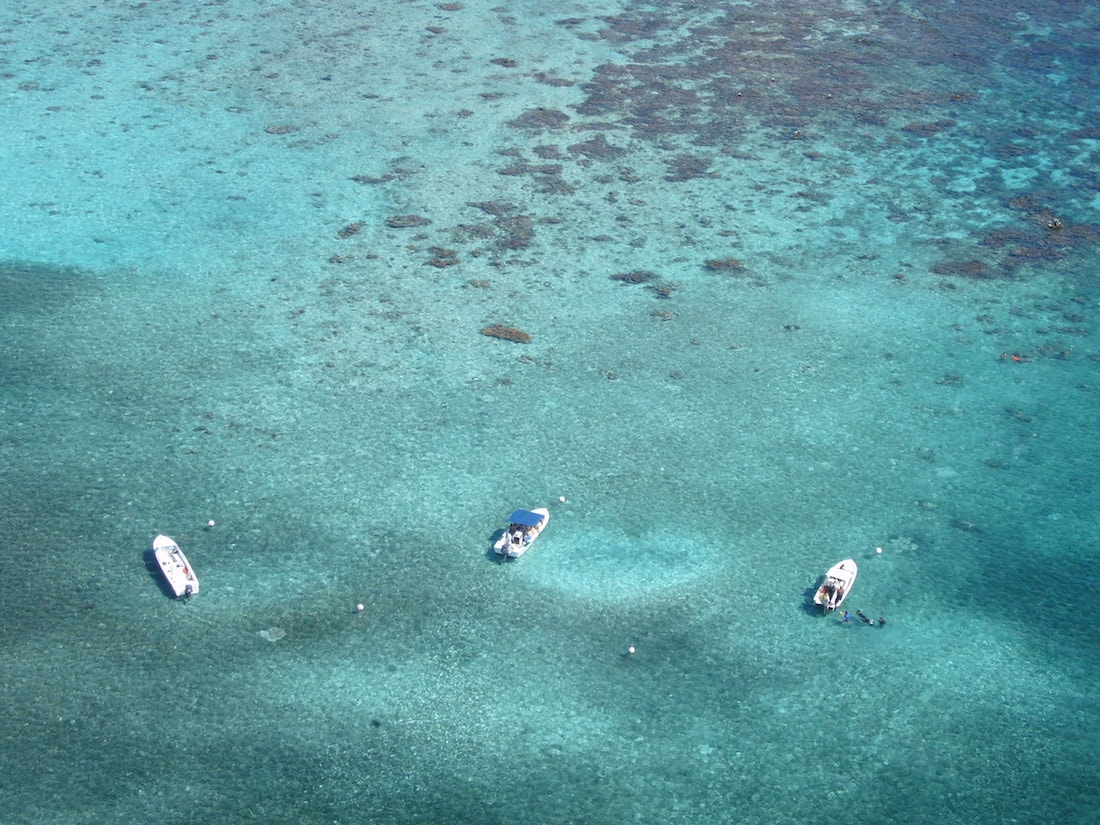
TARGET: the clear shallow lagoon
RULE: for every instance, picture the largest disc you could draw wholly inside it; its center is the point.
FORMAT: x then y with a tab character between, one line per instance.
777	263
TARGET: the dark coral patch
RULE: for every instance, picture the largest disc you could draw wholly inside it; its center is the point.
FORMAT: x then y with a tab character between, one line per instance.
507	333
662	290
637	276
406	221
687	167
548	152
466	232
597	149
547	176
965	269
722	264
495	208
633	27
536	119
1044	237
511	230
524	168
1001	238
368	180
928	129
515	232
441	257
552	80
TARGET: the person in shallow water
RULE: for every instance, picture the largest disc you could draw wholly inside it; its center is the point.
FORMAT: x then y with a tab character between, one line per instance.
863	617
847	617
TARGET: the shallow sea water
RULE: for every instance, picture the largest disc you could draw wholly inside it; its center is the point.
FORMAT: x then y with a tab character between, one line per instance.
801	283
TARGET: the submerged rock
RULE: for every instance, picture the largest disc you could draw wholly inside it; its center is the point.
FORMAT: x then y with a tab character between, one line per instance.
507	333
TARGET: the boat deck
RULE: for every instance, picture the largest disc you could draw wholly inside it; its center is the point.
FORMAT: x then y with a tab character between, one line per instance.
175	567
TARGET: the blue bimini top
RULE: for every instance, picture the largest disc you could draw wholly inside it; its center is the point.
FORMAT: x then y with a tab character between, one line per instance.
525	518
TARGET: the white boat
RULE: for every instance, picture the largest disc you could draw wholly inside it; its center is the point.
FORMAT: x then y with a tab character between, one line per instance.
837	585
524	526
175	567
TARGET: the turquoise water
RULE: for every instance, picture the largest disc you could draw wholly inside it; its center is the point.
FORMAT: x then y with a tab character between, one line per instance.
218	306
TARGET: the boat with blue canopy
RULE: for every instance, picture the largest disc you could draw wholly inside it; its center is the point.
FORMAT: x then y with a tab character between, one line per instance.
524	526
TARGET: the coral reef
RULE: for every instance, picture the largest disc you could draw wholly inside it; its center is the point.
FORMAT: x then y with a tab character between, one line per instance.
547	176
722	264
537	119
637	276
965	269
523	168
597	148
350	230
549	152
928	129
507	333
472	231
406	221
1044	237
515	232
686	167
441	257
551	80
662	290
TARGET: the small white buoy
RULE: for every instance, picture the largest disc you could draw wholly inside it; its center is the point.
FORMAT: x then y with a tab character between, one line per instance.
630	650
561	499
359	608
878	549
210	523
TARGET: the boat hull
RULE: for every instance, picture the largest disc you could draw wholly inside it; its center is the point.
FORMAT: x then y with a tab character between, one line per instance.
177	571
